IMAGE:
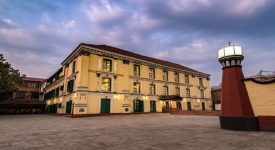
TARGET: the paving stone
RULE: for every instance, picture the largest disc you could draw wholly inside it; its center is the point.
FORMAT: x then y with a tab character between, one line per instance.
131	132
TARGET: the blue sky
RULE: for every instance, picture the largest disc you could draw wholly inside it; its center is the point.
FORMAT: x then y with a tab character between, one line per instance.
36	35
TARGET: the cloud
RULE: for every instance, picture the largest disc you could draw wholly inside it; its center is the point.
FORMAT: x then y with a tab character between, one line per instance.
35	35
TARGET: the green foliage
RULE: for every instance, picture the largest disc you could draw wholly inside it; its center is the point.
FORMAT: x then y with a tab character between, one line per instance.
10	79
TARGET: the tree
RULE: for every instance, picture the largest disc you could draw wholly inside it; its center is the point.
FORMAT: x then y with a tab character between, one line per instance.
10	79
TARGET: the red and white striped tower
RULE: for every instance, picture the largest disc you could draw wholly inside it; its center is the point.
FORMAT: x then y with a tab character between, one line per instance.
236	109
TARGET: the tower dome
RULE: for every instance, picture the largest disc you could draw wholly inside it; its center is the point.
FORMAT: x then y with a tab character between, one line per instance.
231	55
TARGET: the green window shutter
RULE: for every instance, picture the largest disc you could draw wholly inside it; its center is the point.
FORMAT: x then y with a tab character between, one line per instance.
68	86
72	86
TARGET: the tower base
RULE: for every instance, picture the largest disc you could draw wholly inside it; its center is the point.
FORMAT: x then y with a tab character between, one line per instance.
243	123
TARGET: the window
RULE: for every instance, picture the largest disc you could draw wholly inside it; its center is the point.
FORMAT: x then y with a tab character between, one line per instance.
73	67
136	88
176	77
106	84
177	91
57	92
165	75
165	90
107	65
151	73
200	82
137	70
61	88
186	78
70	86
33	85
20	94
187	92
152	89
202	93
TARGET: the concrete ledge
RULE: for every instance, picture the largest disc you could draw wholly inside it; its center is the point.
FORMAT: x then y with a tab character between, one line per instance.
200	113
246	123
108	114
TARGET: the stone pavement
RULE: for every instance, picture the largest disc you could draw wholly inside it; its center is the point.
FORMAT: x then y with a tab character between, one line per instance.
141	131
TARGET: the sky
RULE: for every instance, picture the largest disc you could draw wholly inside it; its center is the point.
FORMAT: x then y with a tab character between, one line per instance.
37	35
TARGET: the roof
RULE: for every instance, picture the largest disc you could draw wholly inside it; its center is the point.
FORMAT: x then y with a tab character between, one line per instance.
33	79
216	88
137	56
55	73
263	77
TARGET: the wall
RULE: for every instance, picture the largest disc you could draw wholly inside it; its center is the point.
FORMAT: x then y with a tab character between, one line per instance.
262	97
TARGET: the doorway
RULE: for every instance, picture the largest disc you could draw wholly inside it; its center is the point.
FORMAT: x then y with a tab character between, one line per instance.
105	106
153	107
203	106
138	106
178	105
69	107
189	107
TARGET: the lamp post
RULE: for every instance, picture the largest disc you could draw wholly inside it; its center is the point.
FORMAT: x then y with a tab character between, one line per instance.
236	109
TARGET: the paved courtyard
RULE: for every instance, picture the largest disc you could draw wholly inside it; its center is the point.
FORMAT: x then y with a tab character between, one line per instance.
142	131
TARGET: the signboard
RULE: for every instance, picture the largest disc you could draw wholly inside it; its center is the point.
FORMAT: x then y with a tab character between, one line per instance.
80	105
125	105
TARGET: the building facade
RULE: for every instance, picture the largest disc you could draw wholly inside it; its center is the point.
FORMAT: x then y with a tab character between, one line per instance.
100	79
28	90
216	97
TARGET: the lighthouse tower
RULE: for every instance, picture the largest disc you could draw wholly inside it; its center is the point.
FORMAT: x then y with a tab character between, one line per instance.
236	109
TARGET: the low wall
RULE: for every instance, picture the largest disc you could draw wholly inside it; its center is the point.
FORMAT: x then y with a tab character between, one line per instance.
21	107
201	113
267	123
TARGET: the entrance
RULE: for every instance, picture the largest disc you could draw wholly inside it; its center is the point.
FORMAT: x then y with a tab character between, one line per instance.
179	105
153	106
69	107
105	105
167	104
189	108
203	106
138	105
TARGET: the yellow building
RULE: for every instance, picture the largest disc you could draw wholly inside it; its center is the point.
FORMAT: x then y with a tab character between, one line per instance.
96	79
261	92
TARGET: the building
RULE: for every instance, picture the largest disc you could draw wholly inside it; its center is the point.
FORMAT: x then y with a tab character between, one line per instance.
216	97
261	89
28	90
100	79
26	100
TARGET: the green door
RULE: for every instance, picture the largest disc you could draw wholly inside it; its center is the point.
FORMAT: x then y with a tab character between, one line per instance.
105	106
138	106
55	108
69	107
189	106
141	106
153	107
178	105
